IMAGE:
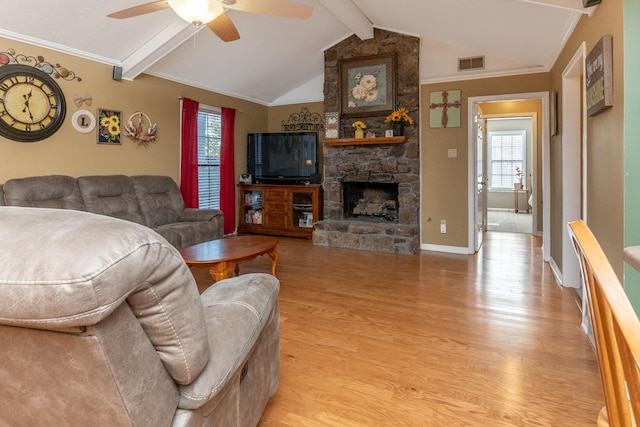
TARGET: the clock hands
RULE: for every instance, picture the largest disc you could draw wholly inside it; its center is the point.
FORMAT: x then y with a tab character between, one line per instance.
26	108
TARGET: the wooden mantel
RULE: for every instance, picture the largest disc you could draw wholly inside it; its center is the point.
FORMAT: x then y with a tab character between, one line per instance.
366	141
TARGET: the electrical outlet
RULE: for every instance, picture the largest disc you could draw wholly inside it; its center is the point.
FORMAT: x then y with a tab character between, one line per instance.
443	226
452	152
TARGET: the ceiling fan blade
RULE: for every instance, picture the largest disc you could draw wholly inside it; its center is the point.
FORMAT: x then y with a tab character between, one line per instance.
224	28
285	8
142	9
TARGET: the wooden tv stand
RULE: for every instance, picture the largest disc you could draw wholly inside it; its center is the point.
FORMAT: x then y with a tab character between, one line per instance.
283	210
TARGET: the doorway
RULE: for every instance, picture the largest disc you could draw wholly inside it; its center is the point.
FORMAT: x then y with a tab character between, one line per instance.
540	162
510	141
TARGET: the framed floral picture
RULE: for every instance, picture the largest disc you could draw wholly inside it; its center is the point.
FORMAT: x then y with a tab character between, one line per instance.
367	86
109	126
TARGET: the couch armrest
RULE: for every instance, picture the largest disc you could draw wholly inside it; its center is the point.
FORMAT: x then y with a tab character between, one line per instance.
191	214
237	311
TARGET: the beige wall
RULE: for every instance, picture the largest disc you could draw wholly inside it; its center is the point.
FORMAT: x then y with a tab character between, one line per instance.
605	141
72	153
443	179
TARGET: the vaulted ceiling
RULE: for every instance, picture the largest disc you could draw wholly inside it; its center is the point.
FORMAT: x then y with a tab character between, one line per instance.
280	60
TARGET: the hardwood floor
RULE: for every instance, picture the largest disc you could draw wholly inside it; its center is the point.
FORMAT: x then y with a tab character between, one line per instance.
370	339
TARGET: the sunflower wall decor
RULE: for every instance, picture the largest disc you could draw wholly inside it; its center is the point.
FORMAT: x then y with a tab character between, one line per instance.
109	126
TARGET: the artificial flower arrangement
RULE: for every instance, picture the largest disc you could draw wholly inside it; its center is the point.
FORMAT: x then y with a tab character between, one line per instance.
519	175
359	124
399	117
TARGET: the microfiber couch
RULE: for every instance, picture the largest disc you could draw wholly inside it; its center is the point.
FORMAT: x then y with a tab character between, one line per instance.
101	324
153	201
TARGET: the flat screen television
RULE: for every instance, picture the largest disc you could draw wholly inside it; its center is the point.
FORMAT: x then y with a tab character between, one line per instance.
286	157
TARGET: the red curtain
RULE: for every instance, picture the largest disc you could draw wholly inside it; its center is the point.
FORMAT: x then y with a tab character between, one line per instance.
189	153
227	171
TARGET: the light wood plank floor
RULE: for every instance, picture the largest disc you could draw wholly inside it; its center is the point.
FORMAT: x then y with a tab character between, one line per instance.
370	339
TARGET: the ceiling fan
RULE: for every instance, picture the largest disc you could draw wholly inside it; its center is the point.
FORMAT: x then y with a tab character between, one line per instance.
212	12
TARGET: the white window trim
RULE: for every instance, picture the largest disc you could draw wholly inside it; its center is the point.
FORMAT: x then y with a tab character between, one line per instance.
524	158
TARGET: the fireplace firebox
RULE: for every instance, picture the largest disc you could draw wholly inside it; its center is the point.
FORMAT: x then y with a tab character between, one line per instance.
370	201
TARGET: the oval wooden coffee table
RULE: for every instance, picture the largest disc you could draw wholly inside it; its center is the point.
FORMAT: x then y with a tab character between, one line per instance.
223	256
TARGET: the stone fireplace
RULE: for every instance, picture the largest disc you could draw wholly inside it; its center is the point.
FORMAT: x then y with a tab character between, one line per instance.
372	191
380	183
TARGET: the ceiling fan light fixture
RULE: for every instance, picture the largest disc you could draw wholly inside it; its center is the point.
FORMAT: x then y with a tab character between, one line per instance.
197	12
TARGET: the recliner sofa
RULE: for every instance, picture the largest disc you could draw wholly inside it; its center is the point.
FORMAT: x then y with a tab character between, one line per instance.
101	324
154	201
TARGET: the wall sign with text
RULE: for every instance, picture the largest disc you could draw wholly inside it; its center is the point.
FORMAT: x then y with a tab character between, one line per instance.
599	78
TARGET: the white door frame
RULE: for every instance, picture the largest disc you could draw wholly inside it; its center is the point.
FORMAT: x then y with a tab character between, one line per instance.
574	122
574	174
546	183
480	212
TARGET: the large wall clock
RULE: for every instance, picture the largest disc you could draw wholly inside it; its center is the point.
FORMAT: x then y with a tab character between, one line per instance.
32	105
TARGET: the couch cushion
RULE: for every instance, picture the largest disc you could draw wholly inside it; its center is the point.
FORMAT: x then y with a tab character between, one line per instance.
68	268
1	196
52	191
183	234
110	195
159	198
236	312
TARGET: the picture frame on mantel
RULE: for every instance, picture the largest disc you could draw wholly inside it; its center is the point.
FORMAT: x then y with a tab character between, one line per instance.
331	125
367	86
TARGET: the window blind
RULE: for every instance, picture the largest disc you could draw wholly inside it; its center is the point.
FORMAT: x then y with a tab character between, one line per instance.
209	141
506	152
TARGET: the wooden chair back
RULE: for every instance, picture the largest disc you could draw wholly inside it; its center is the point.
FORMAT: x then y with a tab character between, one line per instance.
616	330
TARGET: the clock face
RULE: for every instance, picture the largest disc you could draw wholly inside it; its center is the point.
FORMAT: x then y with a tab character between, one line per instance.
32	106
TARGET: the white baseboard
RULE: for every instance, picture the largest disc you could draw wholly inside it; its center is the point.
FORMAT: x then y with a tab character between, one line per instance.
556	271
447	249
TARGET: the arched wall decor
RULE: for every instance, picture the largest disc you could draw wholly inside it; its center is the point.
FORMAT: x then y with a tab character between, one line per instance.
303	121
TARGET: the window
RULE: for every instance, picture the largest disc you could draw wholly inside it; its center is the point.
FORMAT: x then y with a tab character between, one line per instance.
209	142
506	153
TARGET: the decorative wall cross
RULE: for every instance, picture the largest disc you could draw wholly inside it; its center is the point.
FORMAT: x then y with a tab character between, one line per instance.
444	109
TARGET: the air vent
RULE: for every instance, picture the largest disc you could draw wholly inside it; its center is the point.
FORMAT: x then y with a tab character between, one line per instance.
474	63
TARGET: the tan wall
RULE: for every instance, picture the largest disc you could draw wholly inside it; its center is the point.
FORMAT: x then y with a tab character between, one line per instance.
72	153
605	141
444	180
